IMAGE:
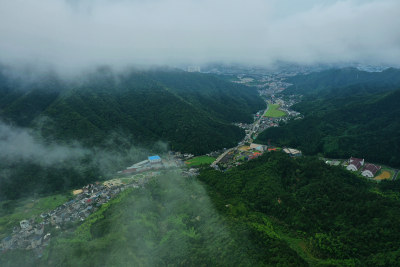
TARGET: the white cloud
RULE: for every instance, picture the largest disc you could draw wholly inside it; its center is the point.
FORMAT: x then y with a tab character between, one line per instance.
74	34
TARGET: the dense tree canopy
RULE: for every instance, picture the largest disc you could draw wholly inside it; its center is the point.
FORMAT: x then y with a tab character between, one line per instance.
342	219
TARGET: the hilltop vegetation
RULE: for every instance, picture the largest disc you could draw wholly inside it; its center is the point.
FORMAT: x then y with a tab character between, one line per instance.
343	122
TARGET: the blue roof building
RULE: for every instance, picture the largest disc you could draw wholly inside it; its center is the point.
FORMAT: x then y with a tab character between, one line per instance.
154	159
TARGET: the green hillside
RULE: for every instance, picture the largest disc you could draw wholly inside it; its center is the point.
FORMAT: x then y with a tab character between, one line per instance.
192	112
169	222
326	214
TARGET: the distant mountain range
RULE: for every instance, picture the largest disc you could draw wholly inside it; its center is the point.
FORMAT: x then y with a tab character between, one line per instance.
337	81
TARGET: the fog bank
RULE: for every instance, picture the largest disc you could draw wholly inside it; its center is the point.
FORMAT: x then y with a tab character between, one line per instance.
73	35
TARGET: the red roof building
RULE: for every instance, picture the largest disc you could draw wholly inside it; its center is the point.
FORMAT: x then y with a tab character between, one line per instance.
370	170
355	164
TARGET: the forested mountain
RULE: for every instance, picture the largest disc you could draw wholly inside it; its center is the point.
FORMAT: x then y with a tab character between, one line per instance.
191	111
346	121
272	211
339	81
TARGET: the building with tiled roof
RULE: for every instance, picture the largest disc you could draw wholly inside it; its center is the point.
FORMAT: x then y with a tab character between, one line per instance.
370	170
355	164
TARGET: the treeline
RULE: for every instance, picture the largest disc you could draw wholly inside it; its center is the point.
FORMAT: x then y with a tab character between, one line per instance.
350	121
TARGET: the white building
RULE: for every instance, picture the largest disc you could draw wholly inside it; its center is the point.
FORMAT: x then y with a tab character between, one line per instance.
292	152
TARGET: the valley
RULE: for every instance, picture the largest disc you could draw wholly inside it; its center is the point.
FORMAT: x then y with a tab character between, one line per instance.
270	211
199	133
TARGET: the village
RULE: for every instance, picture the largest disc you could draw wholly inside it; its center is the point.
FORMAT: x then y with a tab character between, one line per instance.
278	111
35	233
269	86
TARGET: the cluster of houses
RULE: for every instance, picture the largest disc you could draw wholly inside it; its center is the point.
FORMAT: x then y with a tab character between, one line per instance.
191	172
36	235
28	235
181	156
31	234
367	170
235	156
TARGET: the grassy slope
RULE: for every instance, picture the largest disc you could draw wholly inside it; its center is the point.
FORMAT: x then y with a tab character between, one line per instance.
202	160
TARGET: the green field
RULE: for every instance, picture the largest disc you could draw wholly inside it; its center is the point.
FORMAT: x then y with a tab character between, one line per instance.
14	211
202	160
274	112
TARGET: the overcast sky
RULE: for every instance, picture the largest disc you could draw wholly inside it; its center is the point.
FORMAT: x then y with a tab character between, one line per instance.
81	33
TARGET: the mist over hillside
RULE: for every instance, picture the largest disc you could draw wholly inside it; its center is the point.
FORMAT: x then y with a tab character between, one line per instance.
192	112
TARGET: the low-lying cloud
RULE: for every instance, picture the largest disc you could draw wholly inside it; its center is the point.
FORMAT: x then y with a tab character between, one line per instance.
73	34
20	144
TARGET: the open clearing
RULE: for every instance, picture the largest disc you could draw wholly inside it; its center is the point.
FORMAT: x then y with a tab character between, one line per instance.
274	112
202	160
384	175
